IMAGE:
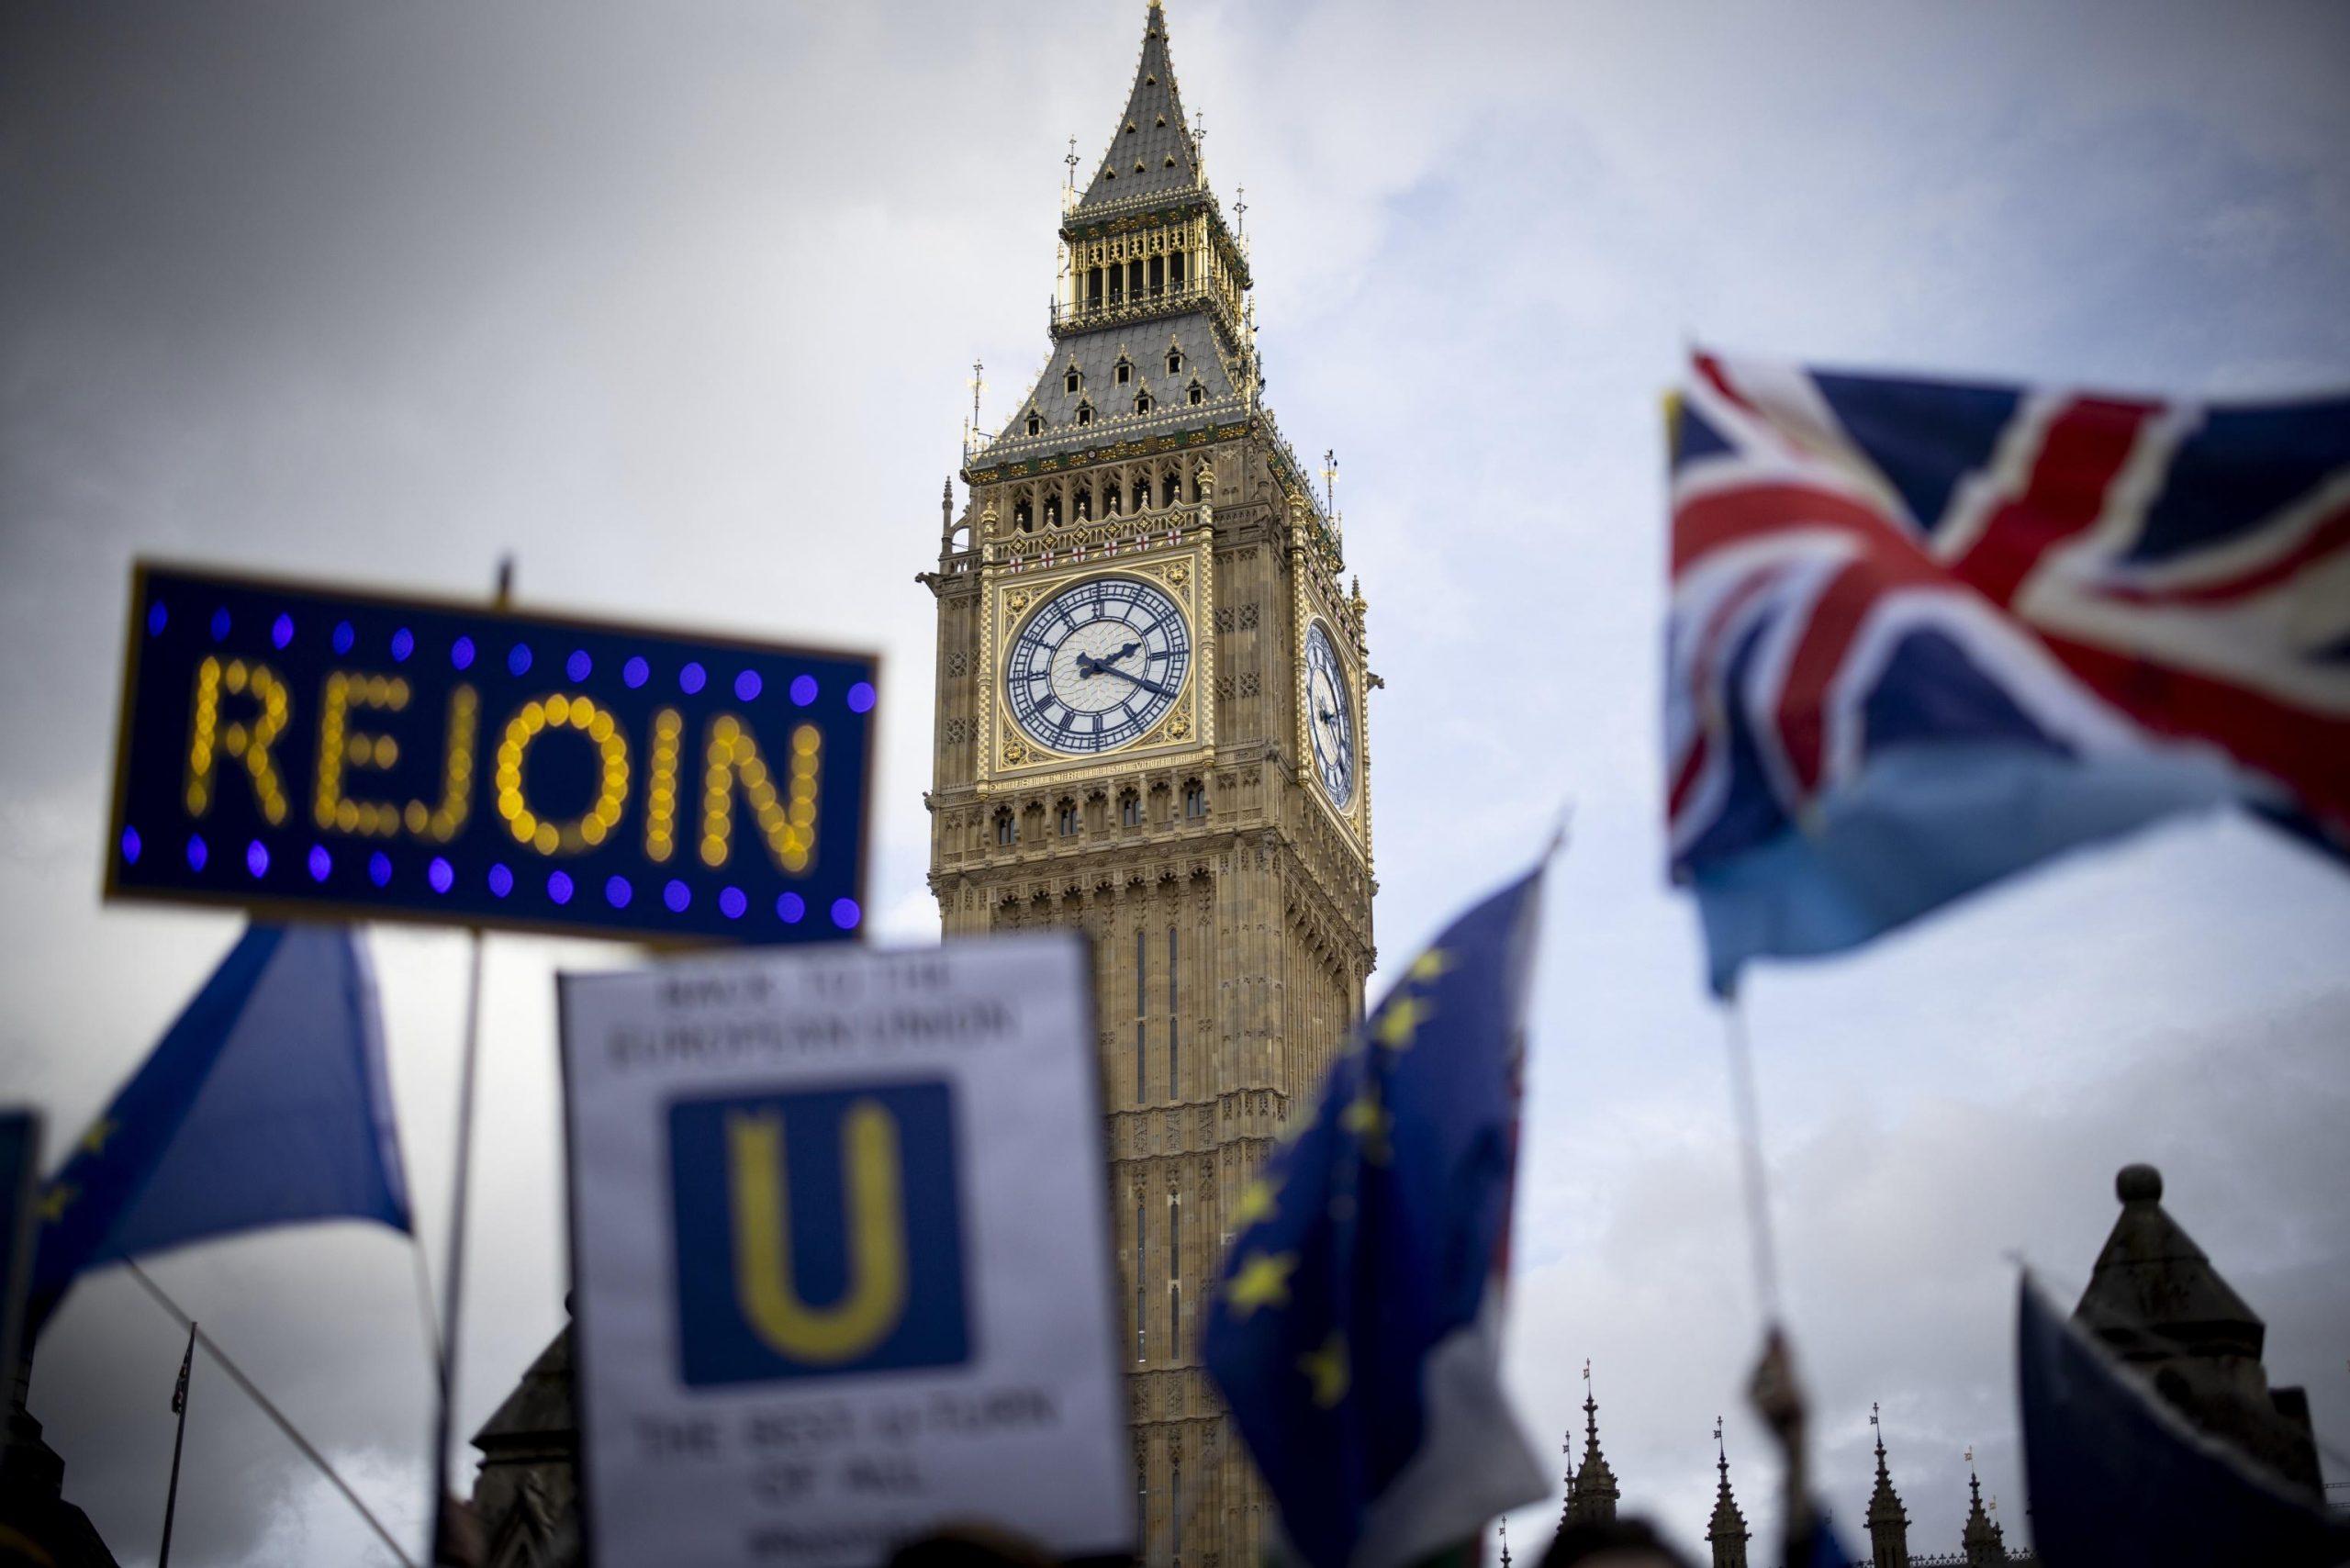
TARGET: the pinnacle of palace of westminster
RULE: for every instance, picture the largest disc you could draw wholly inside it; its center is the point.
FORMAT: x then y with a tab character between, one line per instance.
1150	711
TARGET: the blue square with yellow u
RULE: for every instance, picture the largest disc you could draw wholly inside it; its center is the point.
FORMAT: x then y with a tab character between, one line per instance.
818	1232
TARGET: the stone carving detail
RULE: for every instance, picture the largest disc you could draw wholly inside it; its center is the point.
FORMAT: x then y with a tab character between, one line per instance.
954	732
1224	618
1248	615
959	663
1224	687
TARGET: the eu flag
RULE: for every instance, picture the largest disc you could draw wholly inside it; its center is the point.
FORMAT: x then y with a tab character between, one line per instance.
2117	1475
1355	1331
266	1104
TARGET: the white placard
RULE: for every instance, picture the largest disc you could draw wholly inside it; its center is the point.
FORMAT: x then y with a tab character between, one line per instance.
841	1254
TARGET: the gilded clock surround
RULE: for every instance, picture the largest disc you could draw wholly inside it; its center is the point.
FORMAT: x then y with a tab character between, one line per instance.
1227	898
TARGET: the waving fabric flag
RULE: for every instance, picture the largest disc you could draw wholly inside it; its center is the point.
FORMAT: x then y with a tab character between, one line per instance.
1355	1331
1926	634
266	1104
2116	1477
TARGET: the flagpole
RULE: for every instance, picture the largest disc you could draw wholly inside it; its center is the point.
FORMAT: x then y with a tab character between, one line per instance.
253	1392
1750	1142
453	1277
179	1405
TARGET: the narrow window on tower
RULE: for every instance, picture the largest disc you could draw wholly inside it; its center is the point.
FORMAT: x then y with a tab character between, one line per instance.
1195	799
1157	277
1052	512
1142	402
1072	380
1140	1354
1175	1509
1174	1026
1085	413
1006	831
1175	270
1199	393
1036	424
1174	361
1142	1003
1130	810
1170	488
1125	372
1069	819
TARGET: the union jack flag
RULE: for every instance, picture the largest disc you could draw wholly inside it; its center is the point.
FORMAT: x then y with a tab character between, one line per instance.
1924	634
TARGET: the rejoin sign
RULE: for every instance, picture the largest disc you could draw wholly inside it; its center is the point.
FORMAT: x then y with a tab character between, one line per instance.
303	748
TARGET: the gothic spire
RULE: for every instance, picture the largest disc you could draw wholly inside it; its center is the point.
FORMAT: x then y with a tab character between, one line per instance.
1151	150
1725	1531
1889	1523
1594	1490
1981	1538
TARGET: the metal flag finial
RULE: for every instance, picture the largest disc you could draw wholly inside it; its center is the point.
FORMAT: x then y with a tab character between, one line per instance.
1330	481
1240	210
1071	161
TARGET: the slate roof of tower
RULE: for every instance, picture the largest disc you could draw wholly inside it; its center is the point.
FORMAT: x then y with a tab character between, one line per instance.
1151	151
2154	1293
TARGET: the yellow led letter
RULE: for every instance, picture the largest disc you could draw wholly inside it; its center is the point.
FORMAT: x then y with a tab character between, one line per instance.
440	824
248	742
661	797
340	746
733	756
531	720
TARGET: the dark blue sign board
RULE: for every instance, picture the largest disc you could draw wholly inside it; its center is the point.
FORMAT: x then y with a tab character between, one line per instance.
307	751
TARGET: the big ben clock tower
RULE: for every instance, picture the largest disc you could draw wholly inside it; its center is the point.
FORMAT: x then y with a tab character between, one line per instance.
1151	727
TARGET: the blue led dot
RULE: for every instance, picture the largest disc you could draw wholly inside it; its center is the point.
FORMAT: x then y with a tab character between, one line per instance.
846	915
461	653
689	678
578	665
197	852
344	636
379	868
860	698
157	618
677	895
803	689
281	631
790	908
321	863
403	644
517	659
617	892
501	881
732	904
441	874
130	846
257	858
559	886
221	624
747	685
635	672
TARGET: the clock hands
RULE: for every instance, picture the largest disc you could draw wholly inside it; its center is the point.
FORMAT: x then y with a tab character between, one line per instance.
1122	675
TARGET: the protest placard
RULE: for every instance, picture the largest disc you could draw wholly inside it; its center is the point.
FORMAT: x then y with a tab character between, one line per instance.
840	1250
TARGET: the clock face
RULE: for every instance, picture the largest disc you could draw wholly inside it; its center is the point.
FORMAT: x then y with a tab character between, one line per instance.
1097	664
1330	715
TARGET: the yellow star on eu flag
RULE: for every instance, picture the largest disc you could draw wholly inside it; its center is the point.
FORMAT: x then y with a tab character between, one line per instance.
53	1201
1256	1202
95	1140
1328	1369
1432	964
1262	1280
1400	1020
1368	1120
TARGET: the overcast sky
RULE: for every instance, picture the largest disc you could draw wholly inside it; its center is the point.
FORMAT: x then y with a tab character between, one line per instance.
678	304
